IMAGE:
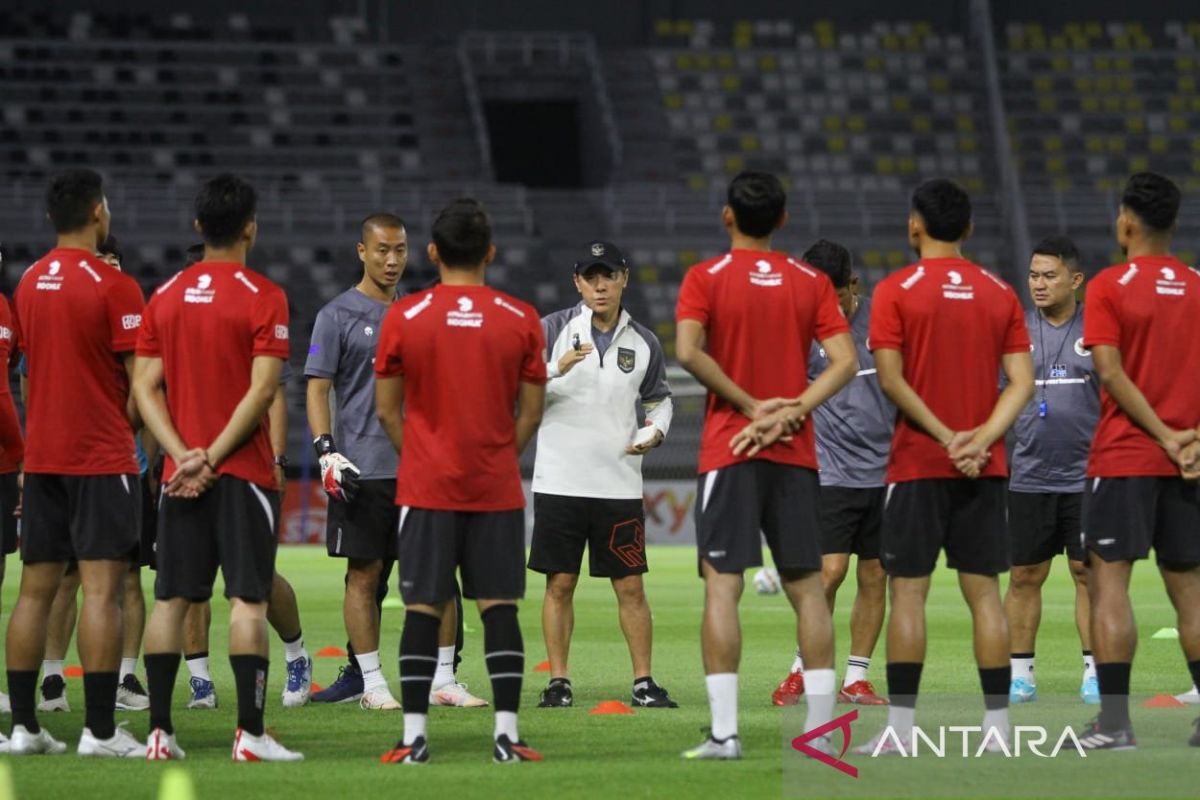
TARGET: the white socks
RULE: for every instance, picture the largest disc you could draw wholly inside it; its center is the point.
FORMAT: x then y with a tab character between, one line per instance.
723	702
998	719
1089	665
294	650
414	726
1022	668
445	670
198	668
901	719
506	722
819	688
52	668
856	669
798	663
128	667
368	664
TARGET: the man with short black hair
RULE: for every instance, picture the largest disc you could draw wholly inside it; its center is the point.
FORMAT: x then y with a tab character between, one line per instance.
1049	463
587	480
77	321
746	321
453	362
941	331
854	434
1145	457
208	409
359	471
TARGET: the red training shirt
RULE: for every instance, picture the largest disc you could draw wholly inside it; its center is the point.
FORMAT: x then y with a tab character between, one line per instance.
208	324
10	426
1149	309
76	317
463	352
952	321
761	311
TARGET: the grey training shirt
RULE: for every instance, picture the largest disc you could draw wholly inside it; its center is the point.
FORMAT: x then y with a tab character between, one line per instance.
854	427
1050	452
343	350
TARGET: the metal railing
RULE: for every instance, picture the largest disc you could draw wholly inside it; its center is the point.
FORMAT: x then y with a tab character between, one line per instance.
475	109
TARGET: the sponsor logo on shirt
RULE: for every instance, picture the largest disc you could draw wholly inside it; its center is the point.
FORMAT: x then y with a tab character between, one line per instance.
1080	350
913	279
955	290
1167	284
52	281
200	293
281	332
464	317
5	333
764	275
368	331
131	322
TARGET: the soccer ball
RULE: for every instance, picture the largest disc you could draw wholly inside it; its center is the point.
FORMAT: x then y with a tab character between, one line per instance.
766	581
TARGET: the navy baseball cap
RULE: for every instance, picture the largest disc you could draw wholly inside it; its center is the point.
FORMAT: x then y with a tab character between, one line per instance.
604	254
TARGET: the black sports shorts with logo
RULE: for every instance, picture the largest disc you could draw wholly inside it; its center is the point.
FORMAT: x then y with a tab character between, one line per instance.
735	503
80	517
965	517
232	526
487	546
1124	517
614	532
364	528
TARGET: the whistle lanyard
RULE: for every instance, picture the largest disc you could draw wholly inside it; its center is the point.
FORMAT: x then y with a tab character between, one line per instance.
1043	407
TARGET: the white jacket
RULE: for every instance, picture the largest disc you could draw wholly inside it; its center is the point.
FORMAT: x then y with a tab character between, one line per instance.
593	412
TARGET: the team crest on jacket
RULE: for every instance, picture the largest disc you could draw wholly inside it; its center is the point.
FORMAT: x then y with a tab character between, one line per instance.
625	359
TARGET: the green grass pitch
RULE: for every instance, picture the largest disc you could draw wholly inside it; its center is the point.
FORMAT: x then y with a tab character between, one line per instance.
638	755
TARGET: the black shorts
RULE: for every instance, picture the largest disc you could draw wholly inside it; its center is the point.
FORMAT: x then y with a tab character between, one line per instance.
231	526
614	532
488	546
1124	517
966	517
143	554
83	517
1041	525
364	529
735	503
851	520
10	495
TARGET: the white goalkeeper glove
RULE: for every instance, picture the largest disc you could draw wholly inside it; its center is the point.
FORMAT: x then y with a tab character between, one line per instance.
339	477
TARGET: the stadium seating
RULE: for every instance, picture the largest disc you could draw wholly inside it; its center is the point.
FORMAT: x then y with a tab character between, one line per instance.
331	126
1088	104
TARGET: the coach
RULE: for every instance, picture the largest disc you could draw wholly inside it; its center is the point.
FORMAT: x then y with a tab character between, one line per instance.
587	480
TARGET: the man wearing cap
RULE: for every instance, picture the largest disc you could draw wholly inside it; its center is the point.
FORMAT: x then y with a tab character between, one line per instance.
607	404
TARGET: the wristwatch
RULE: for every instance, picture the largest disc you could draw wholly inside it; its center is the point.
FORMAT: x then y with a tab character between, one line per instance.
281	461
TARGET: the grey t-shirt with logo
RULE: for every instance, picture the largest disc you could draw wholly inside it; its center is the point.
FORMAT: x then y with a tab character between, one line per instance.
343	350
854	427
1050	451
